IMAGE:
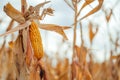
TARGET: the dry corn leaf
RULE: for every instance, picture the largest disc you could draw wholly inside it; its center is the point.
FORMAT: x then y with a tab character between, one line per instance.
37	7
69	4
81	53
79	73
109	16
97	8
33	12
87	2
113	57
55	28
7	65
29	50
79	70
73	67
80	76
77	50
23	6
13	13
19	27
24	38
10	25
87	74
2	47
49	11
34	75
18	50
17	46
11	43
91	34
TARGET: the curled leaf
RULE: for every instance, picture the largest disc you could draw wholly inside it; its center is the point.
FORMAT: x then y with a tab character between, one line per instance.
50	11
91	34
19	27
87	2
55	28
93	10
37	7
108	17
13	13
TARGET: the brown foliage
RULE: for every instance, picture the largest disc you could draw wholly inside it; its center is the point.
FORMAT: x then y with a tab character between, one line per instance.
25	58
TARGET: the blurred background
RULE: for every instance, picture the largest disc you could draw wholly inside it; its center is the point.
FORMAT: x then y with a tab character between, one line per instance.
63	15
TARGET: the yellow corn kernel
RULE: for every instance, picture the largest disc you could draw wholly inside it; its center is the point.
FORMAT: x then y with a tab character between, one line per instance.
36	40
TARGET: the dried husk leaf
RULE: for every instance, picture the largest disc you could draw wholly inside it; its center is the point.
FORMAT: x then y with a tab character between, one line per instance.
13	13
29	50
27	46
19	27
18	50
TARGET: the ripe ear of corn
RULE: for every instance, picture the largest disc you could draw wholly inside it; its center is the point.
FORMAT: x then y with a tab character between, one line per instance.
36	40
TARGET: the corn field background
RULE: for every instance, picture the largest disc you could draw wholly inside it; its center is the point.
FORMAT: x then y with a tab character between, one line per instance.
60	40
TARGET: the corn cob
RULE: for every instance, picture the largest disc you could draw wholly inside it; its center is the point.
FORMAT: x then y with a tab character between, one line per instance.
36	40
